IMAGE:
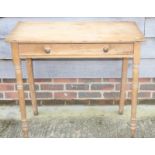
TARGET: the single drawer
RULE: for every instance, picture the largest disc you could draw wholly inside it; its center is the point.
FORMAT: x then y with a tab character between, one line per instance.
75	50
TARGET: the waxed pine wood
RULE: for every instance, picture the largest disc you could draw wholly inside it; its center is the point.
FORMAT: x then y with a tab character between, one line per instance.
84	32
32	86
123	85
76	40
136	61
75	50
18	70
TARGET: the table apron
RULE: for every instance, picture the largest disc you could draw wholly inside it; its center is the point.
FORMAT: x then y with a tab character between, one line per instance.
75	51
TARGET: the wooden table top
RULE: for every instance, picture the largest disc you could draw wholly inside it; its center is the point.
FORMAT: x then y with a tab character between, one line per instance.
75	32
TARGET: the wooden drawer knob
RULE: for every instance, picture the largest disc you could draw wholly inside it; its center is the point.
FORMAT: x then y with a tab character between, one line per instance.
47	50
105	49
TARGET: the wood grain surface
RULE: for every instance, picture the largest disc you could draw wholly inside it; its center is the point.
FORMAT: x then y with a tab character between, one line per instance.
84	32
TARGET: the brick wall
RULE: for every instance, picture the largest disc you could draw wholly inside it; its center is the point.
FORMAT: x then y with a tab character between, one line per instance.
77	88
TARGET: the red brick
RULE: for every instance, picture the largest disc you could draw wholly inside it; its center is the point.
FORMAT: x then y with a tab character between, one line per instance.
144	80
153	79
102	86
43	80
153	95
26	87
128	87
64	80
11	95
147	87
81	84
144	95
88	95
129	79
111	95
89	80
52	87
6	87
1	95
65	95
44	95
14	95
77	87
141	95
111	79
141	80
9	80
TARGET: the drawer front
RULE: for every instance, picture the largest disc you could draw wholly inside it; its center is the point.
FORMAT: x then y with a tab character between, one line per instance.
75	50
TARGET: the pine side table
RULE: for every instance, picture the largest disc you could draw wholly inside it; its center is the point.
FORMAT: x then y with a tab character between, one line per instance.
80	40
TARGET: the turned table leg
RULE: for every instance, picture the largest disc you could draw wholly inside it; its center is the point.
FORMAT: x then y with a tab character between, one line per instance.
20	89
136	61
31	85
123	85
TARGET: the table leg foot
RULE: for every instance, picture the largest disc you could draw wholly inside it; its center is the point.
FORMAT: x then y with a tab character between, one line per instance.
133	133
25	134
25	129
35	113
120	112
133	128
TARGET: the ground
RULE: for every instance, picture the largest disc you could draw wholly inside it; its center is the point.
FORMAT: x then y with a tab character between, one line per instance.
78	121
